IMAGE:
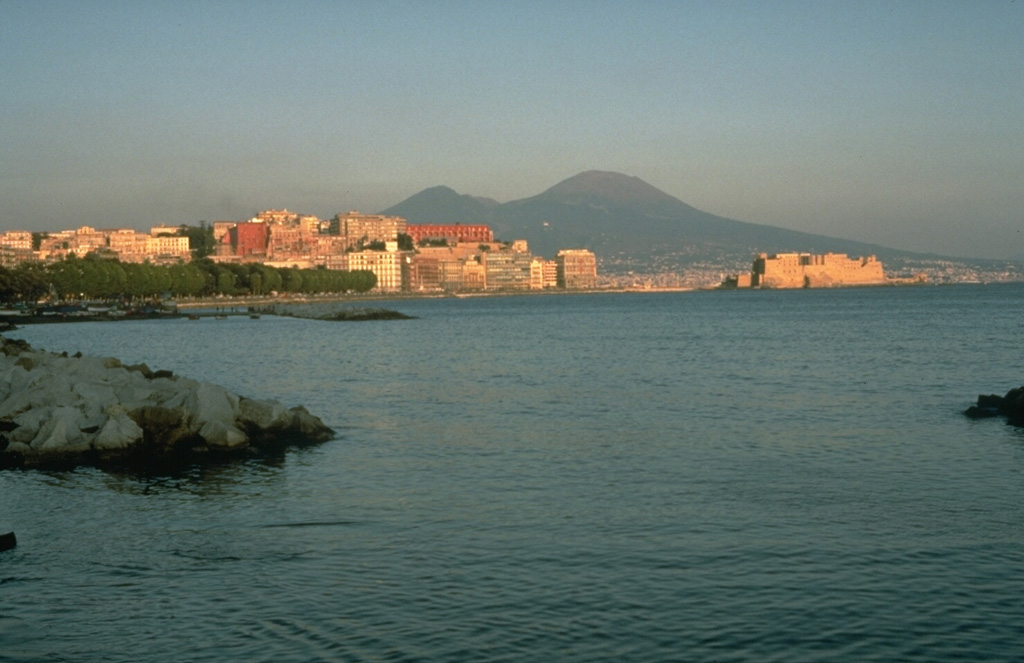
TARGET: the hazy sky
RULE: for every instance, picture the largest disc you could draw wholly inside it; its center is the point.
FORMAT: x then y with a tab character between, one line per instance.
900	123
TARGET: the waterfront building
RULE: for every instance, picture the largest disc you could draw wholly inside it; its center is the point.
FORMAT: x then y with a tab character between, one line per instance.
806	270
577	268
506	270
422	273
386	265
543	274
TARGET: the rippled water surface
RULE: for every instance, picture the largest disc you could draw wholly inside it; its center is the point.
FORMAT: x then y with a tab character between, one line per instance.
727	476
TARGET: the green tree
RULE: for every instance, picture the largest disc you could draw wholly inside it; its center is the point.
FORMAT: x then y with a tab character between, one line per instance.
200	239
65	277
226	282
31	281
292	280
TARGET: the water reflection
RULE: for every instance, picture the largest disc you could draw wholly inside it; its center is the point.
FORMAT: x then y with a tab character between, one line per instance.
224	477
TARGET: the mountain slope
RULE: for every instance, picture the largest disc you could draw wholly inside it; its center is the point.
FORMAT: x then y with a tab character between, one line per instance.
441	204
628	223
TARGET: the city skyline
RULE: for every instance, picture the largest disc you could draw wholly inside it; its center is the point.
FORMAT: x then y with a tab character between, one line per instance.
892	124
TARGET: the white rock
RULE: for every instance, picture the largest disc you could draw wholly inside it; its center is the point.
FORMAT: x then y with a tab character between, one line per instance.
134	395
118	433
95	395
18	379
222	435
16	403
209	402
262	414
62	430
29	423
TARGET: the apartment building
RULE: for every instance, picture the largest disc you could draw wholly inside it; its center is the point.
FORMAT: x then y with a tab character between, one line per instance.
125	244
506	270
16	239
386	265
453	234
543	274
361	229
576	268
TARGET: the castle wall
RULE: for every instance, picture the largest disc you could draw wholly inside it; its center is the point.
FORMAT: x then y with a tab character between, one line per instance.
805	270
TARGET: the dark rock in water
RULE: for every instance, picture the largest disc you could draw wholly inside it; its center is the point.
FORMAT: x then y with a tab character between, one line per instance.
7	541
990	401
1010	406
1013	405
359	314
347	314
979	412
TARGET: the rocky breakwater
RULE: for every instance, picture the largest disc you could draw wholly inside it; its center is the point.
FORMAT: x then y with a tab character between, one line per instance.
58	411
1010	406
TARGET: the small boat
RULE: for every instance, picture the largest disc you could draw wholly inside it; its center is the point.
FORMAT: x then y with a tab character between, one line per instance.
7	541
254	316
193	316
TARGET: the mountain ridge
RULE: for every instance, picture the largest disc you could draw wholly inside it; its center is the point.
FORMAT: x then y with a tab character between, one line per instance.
629	224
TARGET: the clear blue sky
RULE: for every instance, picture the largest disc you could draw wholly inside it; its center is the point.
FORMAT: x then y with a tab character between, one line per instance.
900	123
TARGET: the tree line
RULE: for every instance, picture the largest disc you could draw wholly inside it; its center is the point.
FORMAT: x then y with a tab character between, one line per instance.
96	278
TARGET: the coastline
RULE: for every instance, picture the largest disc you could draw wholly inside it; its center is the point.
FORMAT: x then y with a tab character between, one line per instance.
178	308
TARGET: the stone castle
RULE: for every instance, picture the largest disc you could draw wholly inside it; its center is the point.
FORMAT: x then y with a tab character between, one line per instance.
807	270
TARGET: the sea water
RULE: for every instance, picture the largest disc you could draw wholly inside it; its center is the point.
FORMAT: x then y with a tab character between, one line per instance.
714	476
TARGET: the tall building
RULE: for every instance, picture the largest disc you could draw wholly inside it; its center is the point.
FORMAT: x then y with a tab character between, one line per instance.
543	274
506	270
244	240
361	229
577	268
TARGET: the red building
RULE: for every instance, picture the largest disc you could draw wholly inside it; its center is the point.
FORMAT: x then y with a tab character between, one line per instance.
452	233
248	238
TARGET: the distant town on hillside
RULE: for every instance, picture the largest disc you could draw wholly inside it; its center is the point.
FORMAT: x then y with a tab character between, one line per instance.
596	229
424	258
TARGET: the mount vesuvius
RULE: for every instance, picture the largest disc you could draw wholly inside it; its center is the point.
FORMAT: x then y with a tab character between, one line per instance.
629	224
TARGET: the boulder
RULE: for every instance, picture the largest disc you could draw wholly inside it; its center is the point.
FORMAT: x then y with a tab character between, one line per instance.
220	435
208	402
1010	405
262	415
119	432
62	411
